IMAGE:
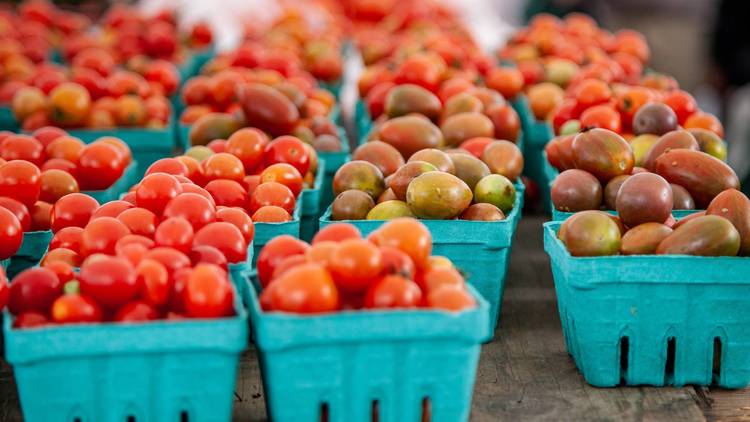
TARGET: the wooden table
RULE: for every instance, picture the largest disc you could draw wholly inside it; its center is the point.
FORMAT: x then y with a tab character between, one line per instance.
525	373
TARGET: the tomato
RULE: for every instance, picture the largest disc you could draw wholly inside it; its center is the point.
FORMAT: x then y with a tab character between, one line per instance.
355	264
337	232
441	275
601	116
631	101
55	184
70	103
239	218
590	92
476	146
130	110
292	261
94	58
137	311
123	83
74	309
20	180
274	252
306	289
100	165
408	235
33	290
19	210
40	216
65	147
74	209
171	166
375	99
225	237
217	146
28	101
208	293
272	193
120	146
682	103
62	269
193	166
223	166
69	237
289	150
201	34
397	262
65	255
47	134
506	80
699	120
197	90
450	298
228	193
249	145
271	214
284	174
109	280
421	70
112	209
22	147
251	183
506	121
101	235
393	291
11	233
208	254
93	82
175	233
30	320
156	190
165	74
139	221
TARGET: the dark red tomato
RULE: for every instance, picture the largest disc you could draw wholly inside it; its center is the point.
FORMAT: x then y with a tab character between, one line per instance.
239	218
19	210
274	252
20	180
171	166
4	290
139	221
34	290
272	193
289	150
30	320
393	291
193	207
62	269
223	166
137	311
228	193
226	238
682	103
285	174
156	190
22	147
111	209
172	259
154	280
47	134
209	255
337	232
123	83
75	309
248	145
208	293
109	280
396	261
11	234
165	74
74	209
40	216
99	166
601	116
175	232
101	235
69	237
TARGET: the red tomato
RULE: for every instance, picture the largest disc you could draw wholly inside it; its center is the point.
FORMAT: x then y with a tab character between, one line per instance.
239	218
421	70
11	234
74	209
506	80
20	180
476	146
209	255
61	255
193	207
139	221
306	289
274	252
62	269
111	209
30	320
375	99
248	145
171	166
393	291
22	147
590	92
69	237
99	166
251	182
101	235
19	210
47	134
74	309
285	174
271	214
156	190
601	116
223	166
397	262
193	188
450	298
289	150
197	90
272	193
55	184
408	235
175	232
226	238
109	280
65	147
228	193
165	74
120	146
137	311
123	83
134	239
208	293
217	145
34	290
698	119
355	264
682	103
172	259
337	232
91	80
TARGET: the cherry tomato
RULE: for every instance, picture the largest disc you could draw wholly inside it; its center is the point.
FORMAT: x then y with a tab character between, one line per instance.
419	70
93	82
34	290
22	147
20	180
19	210
601	116
631	101
251	183
355	264
393	291
112	209
272	193
306	289
175	232
337	232
65	255
122	83
47	134
289	150
506	121
193	207
590	92
248	145
171	166
292	261
271	214
217	146
208	293
223	166
285	174
228	193
55	184
450	298
139	221
156	190
30	320
226	238
476	146
397	262
197	90
62	269
75	309
65	147
11	233
441	275
274	252
698	119
70	103
239	218
682	103
109	280
40	216
74	209
408	235
506	80
120	145
99	166
165	74
208	254
69	237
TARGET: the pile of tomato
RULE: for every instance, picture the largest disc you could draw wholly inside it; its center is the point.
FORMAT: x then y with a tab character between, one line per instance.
340	270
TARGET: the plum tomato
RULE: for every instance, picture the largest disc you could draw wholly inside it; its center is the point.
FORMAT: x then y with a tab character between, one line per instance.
355	264
109	280
274	252
34	290
193	207
156	190
393	291
20	180
208	293
73	209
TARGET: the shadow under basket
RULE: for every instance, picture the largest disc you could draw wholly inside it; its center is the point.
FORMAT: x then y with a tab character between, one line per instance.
155	371
391	365
654	319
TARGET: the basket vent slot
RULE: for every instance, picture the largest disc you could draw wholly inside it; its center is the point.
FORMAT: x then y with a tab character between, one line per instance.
324	412
670	364
131	418
426	410
716	367
375	415
77	419
624	356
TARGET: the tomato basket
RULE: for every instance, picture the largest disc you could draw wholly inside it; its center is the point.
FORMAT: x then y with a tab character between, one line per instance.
7	119
348	365
481	249
310	199
536	134
264	232
654	319
154	371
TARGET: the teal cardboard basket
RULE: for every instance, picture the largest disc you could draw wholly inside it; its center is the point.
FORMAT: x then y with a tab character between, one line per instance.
155	371
7	119
128	179
311	203
562	215
33	247
480	249
346	364
264	232
536	134
654	319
